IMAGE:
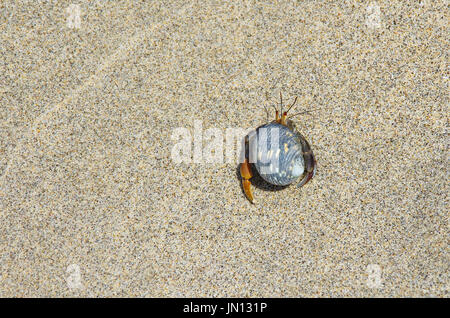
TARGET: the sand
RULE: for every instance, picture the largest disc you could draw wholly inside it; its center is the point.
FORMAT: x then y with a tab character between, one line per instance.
93	205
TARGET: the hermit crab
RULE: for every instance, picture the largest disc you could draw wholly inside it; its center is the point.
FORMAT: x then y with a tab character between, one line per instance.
280	154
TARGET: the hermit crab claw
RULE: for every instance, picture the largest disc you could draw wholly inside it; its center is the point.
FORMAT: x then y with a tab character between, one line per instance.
246	174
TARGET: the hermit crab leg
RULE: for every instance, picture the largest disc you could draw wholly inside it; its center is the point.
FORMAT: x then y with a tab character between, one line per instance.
246	174
310	161
310	168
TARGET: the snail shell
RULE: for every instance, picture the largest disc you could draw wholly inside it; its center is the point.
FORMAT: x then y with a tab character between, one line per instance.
277	154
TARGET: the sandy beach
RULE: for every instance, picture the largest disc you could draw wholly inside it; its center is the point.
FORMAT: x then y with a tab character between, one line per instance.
92	203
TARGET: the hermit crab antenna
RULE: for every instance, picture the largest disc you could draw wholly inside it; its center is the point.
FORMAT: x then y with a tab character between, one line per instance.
267	112
292	105
305	112
281	101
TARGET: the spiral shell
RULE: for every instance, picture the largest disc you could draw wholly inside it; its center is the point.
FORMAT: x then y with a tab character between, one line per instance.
277	154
